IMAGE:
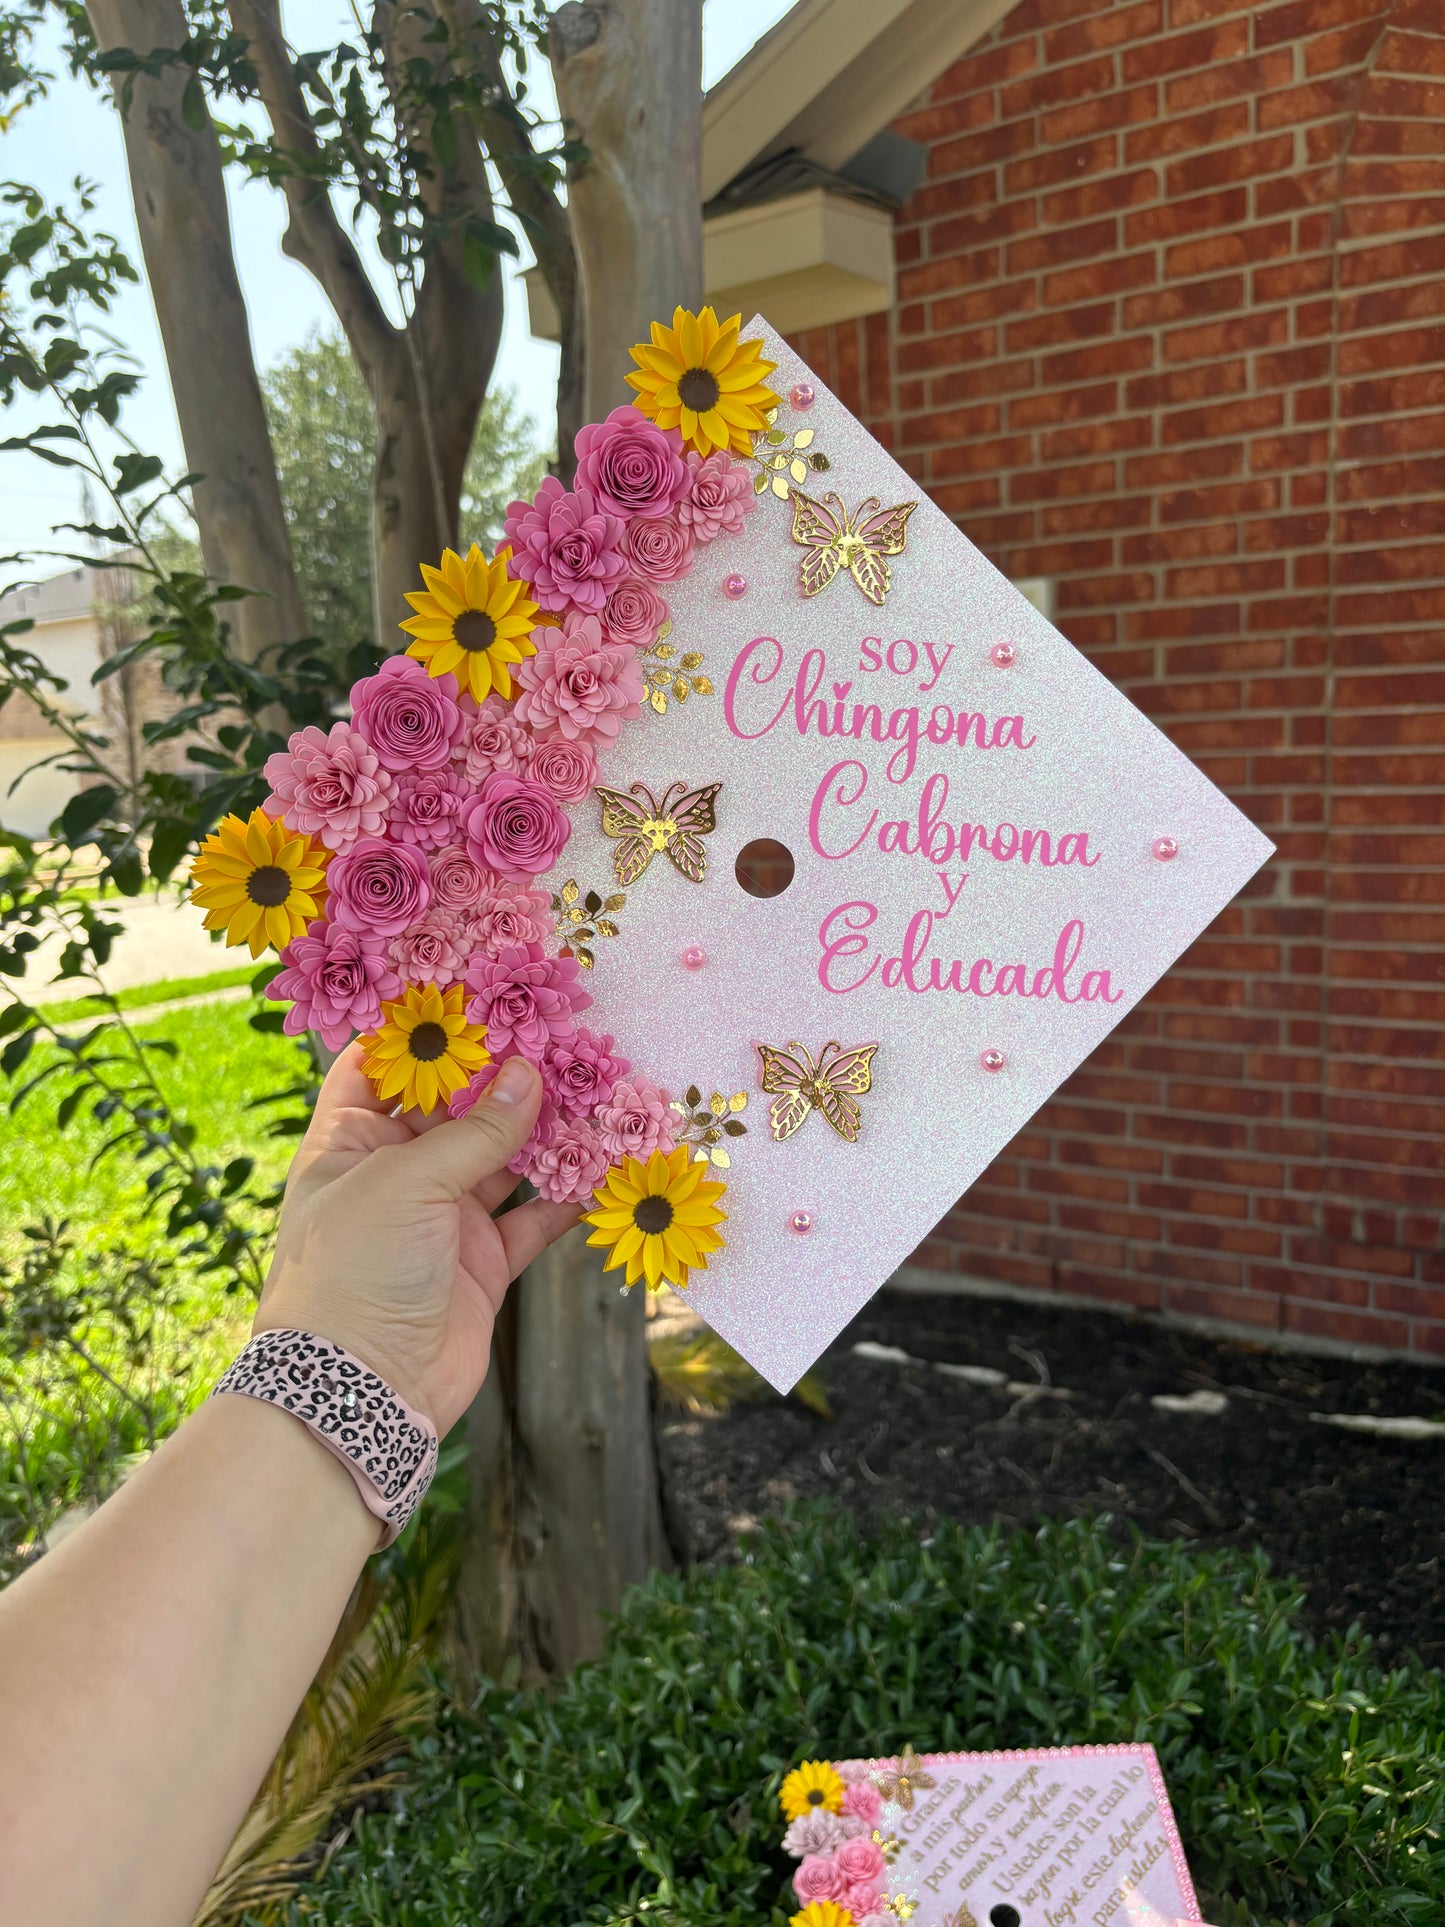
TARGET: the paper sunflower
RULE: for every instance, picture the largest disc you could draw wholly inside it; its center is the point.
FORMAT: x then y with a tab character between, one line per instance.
813	1784
823	1913
698	377
258	881
472	621
657	1219
425	1048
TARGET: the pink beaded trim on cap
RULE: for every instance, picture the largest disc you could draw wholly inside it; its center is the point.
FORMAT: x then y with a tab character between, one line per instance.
389	1449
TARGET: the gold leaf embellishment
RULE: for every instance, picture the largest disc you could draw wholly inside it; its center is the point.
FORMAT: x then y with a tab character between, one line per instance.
644	826
833	1084
781	459
706	1124
859	543
669	676
582	919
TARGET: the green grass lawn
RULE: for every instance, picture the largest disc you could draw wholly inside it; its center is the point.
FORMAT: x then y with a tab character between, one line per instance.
142	996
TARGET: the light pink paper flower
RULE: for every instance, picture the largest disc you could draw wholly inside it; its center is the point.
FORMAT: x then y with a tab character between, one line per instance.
570	1165
566	769
814	1832
860	1860
637	1121
490	739
634	614
578	683
524	998
862	1900
567	546
864	1800
632	466
337	980
409	718
329	786
659	550
377	886
433	951
515	827
853	1772
720	493
581	1073
458	882
818	1878
428	808
509	914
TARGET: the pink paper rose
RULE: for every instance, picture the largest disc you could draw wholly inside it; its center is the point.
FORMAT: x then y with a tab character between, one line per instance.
566	769
458	882
818	1878
428	808
525	998
566	546
864	1899
658	550
719	494
861	1861
337	980
634	614
581	1073
377	886
508	914
630	465
490	739
432	951
515	827
568	1168
409	718
636	1121
865	1800
578	682
329	785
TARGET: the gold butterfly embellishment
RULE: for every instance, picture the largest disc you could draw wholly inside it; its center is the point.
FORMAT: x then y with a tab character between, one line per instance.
833	1083
908	1780
859	542
645	825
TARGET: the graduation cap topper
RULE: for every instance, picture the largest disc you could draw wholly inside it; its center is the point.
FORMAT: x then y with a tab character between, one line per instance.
743	624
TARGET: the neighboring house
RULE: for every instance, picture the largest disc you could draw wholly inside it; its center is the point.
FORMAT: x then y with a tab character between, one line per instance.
78	622
1156	315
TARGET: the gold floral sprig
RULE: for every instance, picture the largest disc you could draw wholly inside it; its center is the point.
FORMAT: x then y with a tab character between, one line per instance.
706	1125
581	920
782	459
669	676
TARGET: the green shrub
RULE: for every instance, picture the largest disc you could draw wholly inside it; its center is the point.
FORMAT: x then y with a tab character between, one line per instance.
1307	1783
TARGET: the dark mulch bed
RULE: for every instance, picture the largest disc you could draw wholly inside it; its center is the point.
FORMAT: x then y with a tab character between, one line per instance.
1358	1520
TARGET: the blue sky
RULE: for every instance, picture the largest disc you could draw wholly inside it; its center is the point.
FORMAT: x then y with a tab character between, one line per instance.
75	131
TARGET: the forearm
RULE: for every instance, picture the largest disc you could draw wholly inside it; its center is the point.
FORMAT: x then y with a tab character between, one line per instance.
150	1665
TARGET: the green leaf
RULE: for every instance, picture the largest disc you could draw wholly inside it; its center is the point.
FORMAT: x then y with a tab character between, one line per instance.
169	842
85	809
193	105
134	471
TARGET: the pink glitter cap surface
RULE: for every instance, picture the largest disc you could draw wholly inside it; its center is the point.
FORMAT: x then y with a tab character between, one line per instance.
1097	767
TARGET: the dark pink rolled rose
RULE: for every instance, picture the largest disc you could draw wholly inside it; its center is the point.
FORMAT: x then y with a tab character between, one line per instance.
633	614
458	882
581	1073
720	493
428	808
566	546
337	980
525	998
567	769
378	887
515	827
409	718
658	548
630	465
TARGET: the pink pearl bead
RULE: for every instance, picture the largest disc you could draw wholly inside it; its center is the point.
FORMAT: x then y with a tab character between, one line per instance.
1166	848
1002	655
735	587
993	1060
801	1221
694	957
803	396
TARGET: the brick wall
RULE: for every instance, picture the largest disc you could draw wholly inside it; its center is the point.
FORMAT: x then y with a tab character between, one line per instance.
1169	330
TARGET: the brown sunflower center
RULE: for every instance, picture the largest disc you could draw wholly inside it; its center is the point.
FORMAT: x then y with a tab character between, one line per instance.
474	629
269	886
652	1215
815	1796
698	390
428	1043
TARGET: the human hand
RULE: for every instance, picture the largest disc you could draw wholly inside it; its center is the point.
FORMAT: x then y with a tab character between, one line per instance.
387	1245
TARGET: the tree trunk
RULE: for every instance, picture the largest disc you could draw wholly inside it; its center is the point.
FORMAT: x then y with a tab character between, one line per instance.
185	231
